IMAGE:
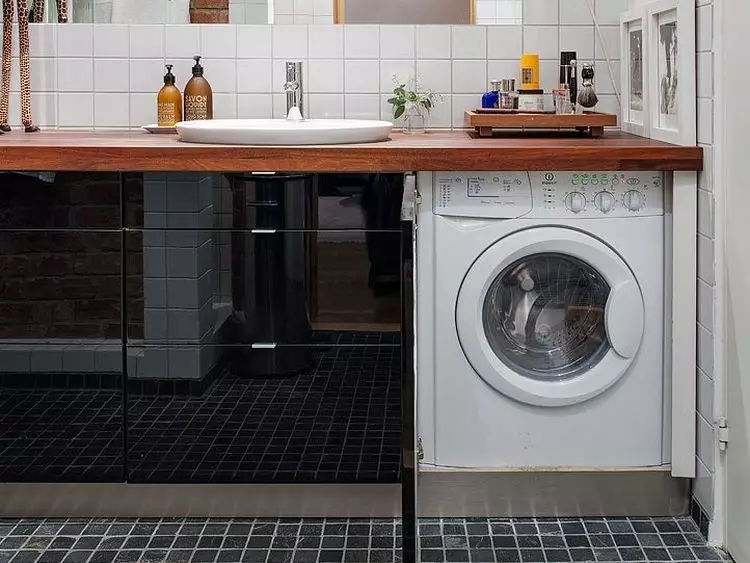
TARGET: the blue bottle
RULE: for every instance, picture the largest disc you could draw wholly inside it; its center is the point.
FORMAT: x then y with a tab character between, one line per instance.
490	99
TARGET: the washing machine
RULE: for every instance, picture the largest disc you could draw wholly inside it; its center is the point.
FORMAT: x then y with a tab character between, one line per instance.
541	332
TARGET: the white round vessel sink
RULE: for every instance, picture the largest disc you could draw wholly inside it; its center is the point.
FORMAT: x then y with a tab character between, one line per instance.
284	131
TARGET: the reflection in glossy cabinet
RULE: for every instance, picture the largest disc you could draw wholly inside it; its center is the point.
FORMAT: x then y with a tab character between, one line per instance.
60	327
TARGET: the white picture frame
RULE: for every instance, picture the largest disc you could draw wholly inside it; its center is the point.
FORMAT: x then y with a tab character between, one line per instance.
670	27
634	72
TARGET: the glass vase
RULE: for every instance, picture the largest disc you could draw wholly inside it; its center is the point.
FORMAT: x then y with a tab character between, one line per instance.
415	120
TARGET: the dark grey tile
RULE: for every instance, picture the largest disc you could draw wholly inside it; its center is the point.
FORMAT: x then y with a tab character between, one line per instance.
602	540
577	541
681	553
136	542
167	529
77	556
644	527
625	540
522	529
204	556
61	543
673	540
557	555
620	527
229	556
454	530
582	554
430	555
688	525
380	556
457	555
179	555
52	556
15	542
361	556
330	556
154	556
103	557
666	526
573	528
39	543
504	542
532	555
705	553
455	542
695	539
26	556
88	542
549	542
71	529
656	554
189	542
549	528
310	542
507	555
480	542
258	542
650	540
529	541
501	529
213	542
632	554
215	529
142	529
254	556
482	556
129	556
478	529
305	556
160	542
606	554
336	542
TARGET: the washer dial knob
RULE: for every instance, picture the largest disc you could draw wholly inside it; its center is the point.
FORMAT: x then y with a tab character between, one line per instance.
633	200
575	202
604	202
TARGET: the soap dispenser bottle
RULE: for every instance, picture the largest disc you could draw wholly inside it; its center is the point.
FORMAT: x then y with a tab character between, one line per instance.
199	103
169	101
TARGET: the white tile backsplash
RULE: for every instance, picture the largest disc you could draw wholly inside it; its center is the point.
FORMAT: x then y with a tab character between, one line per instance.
75	75
253	41
361	77
245	64
469	42
362	41
326	106
397	42
435	75
180	41
147	41
433	42
608	11
219	41
254	76
112	75
43	41
111	41
504	42
290	42
469	77
544	40
326	42
75	40
75	109
111	110
611	46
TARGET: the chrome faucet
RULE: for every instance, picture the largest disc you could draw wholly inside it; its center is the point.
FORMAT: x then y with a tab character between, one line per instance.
293	87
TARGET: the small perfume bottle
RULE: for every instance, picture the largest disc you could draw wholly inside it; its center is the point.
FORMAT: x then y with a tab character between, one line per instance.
490	99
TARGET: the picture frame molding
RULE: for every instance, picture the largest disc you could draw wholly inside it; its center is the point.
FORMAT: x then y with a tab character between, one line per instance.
685	129
638	16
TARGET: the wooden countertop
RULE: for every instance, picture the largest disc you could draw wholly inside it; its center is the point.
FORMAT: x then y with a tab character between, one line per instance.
438	151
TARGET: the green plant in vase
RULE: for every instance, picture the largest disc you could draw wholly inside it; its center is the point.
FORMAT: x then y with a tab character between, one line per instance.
412	104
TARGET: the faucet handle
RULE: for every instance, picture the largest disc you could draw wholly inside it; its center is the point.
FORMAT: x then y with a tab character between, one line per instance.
291	86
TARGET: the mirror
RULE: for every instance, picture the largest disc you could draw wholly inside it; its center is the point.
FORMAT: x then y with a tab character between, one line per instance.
324	12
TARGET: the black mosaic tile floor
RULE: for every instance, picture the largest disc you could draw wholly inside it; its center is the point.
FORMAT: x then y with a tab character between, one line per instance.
344	541
338	423
60	435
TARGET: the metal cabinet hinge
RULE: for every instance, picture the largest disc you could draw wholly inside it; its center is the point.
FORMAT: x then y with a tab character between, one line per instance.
723	429
420	449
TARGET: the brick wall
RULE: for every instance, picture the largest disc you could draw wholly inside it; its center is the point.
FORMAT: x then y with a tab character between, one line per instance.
209	11
60	275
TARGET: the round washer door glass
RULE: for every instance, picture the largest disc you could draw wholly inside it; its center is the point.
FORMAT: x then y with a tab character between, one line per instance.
544	316
550	316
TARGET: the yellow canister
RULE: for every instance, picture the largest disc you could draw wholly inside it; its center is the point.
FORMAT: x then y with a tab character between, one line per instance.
530	71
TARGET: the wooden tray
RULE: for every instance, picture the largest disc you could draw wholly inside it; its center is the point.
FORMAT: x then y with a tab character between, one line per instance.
591	123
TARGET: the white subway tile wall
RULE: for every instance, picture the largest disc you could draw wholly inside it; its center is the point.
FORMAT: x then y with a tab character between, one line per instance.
353	65
703	488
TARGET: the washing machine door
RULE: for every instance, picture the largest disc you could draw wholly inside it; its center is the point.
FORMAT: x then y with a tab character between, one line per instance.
550	316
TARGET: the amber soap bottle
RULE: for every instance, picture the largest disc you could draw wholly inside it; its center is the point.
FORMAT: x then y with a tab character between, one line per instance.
199	103
169	101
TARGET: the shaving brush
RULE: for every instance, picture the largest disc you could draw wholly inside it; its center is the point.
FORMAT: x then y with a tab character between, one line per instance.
587	97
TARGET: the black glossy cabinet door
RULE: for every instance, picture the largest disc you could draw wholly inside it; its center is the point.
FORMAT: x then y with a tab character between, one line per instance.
268	350
61	415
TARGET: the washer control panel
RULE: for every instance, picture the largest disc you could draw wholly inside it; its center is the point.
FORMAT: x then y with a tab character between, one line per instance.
597	194
508	195
497	195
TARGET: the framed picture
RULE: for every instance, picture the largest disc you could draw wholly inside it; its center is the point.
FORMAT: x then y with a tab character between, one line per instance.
670	46
635	94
